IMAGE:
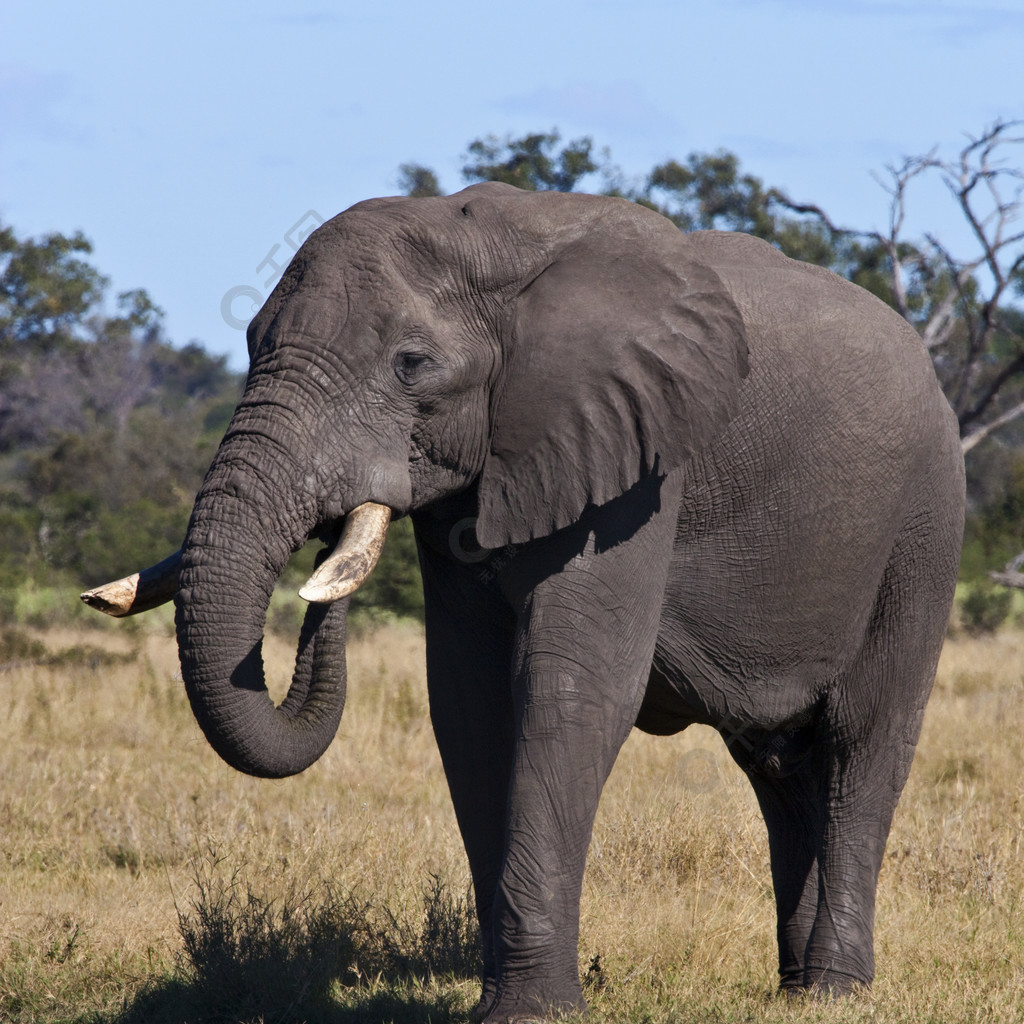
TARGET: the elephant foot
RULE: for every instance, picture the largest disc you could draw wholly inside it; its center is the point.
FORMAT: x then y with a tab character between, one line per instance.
823	984
486	1000
531	1009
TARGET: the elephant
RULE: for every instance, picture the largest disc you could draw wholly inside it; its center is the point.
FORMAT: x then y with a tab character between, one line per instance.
656	479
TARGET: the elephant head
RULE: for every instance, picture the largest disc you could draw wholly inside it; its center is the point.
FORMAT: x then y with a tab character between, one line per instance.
545	350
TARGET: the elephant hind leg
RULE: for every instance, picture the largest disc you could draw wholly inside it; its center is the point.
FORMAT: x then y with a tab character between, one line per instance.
793	810
868	730
828	821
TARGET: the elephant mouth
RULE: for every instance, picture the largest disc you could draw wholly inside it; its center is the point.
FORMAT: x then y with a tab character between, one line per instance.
361	540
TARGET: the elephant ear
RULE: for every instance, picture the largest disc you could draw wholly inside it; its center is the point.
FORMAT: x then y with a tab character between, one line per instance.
617	364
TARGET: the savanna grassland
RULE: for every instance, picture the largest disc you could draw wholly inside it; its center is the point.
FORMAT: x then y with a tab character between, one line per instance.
142	880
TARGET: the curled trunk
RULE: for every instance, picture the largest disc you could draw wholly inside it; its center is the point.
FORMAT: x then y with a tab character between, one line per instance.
238	542
222	581
239	539
220	640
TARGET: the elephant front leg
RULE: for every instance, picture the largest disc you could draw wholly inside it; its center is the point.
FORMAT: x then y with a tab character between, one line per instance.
469	653
582	656
561	762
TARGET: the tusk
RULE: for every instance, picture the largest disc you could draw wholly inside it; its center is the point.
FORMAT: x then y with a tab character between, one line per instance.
139	592
353	559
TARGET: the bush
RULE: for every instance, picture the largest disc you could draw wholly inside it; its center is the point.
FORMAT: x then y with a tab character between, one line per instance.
985	607
249	957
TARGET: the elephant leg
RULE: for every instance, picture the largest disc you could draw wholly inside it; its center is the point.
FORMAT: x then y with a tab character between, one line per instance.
870	726
582	658
794	813
469	630
864	790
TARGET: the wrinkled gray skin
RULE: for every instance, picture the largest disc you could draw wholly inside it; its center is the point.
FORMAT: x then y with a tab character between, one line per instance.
721	486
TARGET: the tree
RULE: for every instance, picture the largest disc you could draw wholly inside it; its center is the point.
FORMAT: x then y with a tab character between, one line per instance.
532	162
46	288
961	305
418	181
105	428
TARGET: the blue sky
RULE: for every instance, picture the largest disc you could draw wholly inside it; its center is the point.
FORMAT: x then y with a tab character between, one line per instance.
189	140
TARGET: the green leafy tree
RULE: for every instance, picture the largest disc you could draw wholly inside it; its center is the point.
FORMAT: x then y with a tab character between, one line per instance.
105	428
418	181
707	191
46	289
532	162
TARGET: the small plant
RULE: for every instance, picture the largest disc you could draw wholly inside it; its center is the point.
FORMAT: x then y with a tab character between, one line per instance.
248	957
985	608
449	939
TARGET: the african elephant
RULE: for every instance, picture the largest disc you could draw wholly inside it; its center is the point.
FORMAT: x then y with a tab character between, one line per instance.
707	483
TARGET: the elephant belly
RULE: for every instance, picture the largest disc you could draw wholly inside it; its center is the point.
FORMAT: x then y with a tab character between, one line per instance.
772	743
664	710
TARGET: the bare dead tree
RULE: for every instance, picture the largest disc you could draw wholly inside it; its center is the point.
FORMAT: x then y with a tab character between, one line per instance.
961	306
972	311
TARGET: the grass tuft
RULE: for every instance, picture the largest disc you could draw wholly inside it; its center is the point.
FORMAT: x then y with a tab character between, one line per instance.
306	951
250	956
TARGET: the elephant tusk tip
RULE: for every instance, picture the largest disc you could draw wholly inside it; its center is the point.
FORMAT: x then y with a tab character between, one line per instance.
313	594
104	601
136	593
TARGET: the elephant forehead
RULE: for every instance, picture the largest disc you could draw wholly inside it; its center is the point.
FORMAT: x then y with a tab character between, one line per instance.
326	288
437	245
314	314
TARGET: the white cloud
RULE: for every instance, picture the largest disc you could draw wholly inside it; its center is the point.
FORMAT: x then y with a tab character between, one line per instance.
608	111
29	105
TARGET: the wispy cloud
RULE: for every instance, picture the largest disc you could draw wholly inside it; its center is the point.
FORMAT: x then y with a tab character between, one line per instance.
617	110
29	105
944	19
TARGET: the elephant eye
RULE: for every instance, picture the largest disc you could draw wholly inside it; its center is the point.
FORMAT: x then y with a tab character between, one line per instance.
410	366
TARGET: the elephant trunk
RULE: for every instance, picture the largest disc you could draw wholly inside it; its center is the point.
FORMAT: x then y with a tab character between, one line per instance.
244	527
229	565
222	580
258	504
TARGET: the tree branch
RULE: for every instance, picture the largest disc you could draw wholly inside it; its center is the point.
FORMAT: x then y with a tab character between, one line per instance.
980	433
1011	576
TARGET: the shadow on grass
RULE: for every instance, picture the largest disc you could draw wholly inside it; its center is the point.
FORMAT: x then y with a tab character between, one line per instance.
311	956
177	1002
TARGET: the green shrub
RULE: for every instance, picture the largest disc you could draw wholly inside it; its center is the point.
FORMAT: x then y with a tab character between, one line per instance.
985	607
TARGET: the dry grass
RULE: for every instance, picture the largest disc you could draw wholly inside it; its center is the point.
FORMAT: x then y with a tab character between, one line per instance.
116	816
